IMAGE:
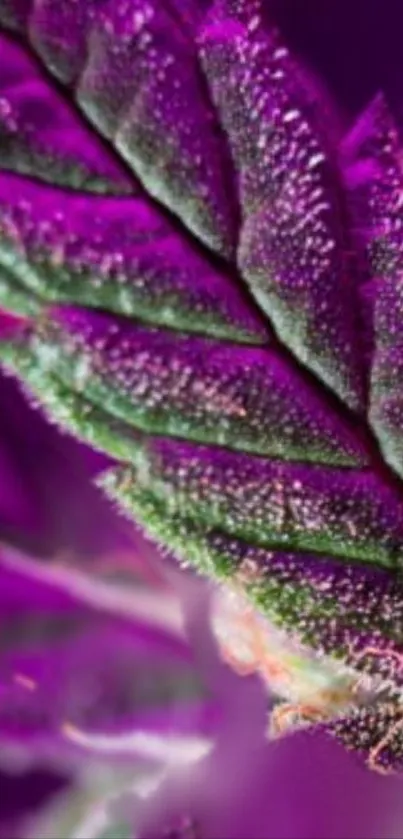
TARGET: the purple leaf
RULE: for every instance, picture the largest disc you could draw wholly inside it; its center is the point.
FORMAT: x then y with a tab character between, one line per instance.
41	136
234	347
374	162
116	684
293	246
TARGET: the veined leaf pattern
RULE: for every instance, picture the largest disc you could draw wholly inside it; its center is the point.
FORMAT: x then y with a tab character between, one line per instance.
210	292
374	165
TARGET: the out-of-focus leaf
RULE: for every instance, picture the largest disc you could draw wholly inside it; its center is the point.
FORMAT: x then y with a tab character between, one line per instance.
86	812
85	678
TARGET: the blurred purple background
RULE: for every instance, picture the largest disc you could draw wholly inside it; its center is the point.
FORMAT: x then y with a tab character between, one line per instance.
354	45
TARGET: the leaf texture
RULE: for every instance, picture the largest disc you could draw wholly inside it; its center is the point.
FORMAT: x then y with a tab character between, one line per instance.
211	294
374	163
